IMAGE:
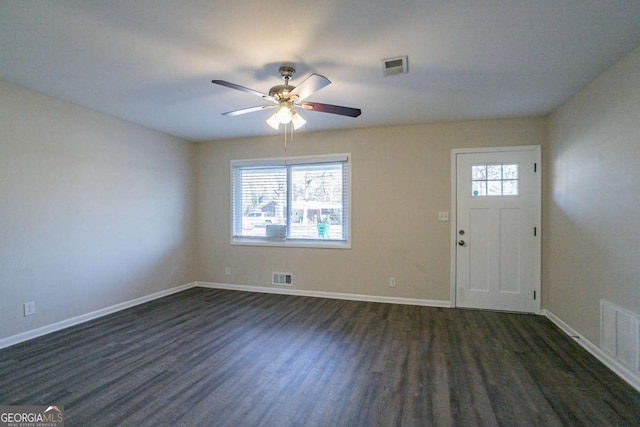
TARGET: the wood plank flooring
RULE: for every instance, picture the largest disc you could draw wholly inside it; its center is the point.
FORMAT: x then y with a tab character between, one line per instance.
206	357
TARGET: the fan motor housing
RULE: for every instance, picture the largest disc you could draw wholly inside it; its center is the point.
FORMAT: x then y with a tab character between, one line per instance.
281	92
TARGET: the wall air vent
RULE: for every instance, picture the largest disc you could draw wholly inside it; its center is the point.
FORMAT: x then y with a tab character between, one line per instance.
282	279
393	66
620	335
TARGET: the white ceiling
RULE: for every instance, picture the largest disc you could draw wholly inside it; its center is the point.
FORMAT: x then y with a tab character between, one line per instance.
152	61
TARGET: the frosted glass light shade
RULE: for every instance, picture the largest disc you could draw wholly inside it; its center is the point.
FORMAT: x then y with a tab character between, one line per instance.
273	121
284	113
297	120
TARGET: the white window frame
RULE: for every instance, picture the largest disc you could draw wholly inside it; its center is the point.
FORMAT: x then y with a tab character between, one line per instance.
289	242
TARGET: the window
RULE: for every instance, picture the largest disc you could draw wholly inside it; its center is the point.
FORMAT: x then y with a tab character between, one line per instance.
301	201
494	180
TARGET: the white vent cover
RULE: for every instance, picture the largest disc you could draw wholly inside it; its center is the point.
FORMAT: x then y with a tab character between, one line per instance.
393	66
620	335
282	279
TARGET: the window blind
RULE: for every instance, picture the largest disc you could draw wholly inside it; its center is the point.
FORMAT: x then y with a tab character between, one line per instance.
303	200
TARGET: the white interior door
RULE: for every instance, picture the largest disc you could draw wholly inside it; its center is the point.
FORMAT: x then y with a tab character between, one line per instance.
497	229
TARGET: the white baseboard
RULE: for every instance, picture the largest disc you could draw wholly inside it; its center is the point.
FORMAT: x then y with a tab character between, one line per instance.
44	330
608	361
323	294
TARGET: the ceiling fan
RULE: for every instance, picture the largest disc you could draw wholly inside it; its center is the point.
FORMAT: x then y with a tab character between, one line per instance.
287	97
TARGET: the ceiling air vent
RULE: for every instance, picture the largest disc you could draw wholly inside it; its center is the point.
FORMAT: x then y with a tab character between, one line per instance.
393	66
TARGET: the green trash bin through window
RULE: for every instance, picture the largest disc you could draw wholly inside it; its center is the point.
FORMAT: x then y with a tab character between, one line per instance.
323	230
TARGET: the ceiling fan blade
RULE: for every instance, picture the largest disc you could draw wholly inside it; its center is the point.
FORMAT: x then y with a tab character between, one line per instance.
243	89
248	110
333	109
310	85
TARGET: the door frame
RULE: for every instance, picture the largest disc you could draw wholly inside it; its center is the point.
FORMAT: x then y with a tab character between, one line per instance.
537	214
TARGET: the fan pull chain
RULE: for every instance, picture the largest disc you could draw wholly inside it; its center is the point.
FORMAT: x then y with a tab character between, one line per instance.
285	138
286	126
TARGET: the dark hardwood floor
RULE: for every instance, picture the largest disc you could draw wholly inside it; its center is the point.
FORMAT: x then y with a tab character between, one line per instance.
207	357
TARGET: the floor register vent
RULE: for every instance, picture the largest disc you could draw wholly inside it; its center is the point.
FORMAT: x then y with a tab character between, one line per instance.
282	279
620	335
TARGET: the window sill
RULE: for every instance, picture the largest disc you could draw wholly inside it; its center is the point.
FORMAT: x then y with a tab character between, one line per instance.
292	243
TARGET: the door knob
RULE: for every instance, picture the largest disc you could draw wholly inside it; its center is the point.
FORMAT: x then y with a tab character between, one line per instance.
461	243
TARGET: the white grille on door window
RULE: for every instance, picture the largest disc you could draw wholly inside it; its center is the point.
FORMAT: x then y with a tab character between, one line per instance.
494	180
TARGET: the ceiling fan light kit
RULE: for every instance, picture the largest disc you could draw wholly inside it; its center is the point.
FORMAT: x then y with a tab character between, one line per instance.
287	97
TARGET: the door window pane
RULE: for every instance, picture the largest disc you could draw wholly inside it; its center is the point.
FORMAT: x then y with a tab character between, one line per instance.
479	188
494	188
494	172
510	171
479	172
510	187
494	180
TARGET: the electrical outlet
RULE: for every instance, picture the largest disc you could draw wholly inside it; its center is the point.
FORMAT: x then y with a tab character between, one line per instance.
443	216
392	282
227	271
29	308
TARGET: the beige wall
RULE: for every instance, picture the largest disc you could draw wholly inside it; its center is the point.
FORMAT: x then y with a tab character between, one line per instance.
94	211
591	246
400	180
